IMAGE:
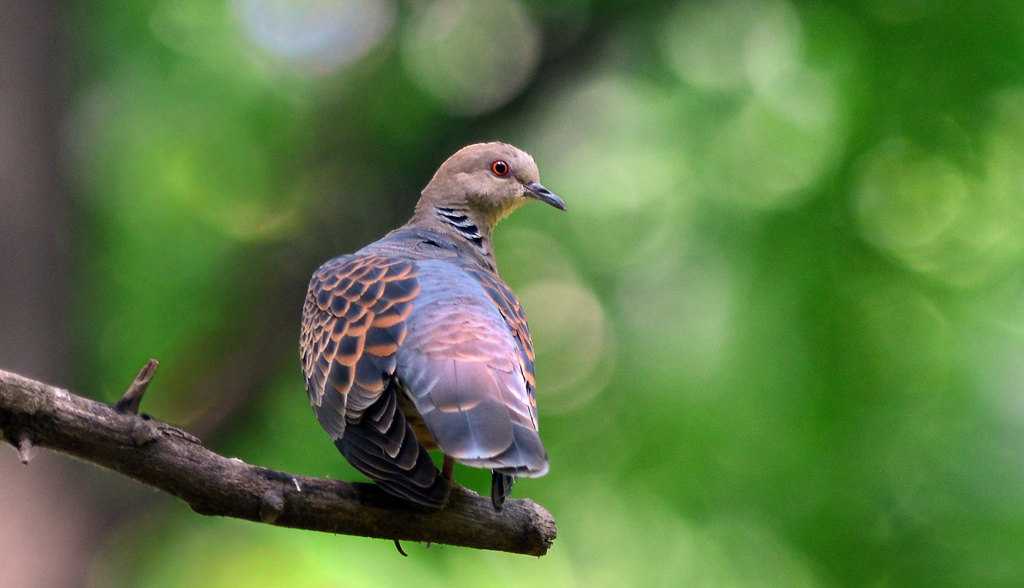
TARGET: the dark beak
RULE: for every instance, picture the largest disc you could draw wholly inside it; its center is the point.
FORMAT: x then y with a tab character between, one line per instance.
544	195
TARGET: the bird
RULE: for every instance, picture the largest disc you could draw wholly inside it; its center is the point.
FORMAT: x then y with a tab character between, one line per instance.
414	343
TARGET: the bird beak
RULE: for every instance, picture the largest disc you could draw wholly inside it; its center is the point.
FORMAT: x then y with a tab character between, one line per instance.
544	195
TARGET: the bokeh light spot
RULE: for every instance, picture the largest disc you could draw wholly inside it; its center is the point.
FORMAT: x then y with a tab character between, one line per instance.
679	313
726	551
719	45
622	167
963	228
907	336
315	36
906	200
196	159
764	159
569	333
472	55
198	28
784	122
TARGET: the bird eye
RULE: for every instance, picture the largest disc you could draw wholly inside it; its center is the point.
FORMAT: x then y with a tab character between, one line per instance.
500	168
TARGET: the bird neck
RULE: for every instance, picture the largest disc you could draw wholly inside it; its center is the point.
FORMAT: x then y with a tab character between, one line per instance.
463	225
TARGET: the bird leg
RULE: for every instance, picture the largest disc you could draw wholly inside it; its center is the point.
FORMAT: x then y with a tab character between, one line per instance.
448	468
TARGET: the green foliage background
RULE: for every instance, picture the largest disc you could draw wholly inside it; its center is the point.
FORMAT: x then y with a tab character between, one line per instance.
780	330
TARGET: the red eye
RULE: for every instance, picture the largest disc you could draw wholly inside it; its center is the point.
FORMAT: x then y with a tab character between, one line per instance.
500	168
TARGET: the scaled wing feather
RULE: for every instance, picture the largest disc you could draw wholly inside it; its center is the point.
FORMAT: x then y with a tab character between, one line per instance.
354	322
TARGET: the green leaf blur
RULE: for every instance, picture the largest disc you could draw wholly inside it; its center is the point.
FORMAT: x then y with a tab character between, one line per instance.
779	331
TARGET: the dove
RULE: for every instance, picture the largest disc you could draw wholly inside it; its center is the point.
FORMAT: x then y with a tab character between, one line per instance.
414	343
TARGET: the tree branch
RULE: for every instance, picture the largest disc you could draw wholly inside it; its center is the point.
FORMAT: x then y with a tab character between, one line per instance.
169	459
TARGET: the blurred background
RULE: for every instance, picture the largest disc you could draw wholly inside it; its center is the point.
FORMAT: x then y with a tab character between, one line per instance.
779	332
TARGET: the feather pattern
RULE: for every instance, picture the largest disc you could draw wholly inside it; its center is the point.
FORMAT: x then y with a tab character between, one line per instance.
414	342
354	321
380	330
468	371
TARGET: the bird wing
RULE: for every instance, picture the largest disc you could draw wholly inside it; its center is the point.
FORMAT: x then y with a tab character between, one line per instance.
353	322
508	305
468	363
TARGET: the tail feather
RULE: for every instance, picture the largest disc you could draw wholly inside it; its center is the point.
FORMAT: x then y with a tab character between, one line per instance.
393	458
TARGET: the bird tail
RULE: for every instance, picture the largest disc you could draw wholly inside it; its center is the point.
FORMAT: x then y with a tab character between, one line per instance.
384	448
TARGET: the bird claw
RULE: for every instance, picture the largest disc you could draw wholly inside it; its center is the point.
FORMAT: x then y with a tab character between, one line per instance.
398	546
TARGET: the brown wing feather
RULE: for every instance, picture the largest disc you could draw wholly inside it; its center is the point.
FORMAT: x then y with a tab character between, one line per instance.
353	322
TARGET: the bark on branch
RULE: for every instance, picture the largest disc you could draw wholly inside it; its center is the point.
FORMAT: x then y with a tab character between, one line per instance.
169	459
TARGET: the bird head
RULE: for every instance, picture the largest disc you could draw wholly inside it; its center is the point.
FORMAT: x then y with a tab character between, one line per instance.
489	181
